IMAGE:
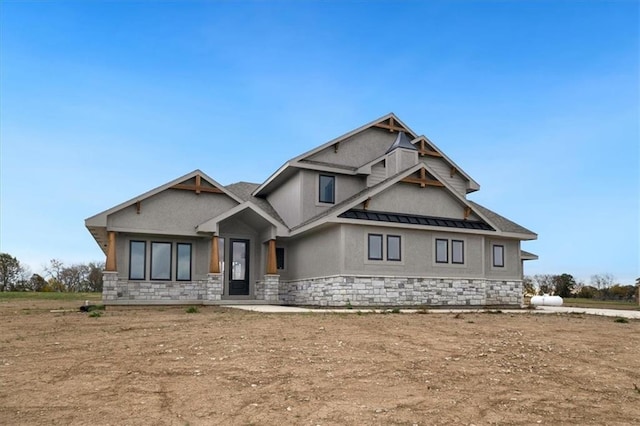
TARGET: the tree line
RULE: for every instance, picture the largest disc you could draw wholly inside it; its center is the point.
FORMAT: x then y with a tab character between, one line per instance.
85	277
601	287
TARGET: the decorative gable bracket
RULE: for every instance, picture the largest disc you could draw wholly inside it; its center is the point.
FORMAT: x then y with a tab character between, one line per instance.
391	125
197	187
423	179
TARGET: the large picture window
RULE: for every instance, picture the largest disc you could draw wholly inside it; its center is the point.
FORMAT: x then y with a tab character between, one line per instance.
442	251
327	189
137	260
183	262
375	247
498	256
160	261
393	247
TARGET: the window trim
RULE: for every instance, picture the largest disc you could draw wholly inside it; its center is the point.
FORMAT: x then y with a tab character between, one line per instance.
369	235
333	198
399	237
493	255
144	260
452	252
178	261
170	261
446	251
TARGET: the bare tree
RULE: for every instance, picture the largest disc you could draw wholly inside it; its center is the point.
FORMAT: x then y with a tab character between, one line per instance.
602	281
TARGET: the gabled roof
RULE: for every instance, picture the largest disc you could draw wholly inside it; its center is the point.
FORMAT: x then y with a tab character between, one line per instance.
423	140
394	124
502	223
244	190
506	228
210	225
101	218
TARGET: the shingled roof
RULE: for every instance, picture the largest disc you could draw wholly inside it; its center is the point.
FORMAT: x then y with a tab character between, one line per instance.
243	191
503	224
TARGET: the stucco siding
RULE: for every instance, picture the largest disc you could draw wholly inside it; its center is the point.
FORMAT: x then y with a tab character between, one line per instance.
512	264
444	171
346	186
359	149
287	200
171	212
317	254
412	199
417	253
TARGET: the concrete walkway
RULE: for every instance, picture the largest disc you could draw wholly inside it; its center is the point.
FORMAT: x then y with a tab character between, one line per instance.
539	310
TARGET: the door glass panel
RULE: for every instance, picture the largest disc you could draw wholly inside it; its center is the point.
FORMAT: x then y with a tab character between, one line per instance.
239	260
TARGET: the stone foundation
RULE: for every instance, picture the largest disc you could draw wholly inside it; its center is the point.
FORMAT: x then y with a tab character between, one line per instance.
119	291
268	290
326	291
400	291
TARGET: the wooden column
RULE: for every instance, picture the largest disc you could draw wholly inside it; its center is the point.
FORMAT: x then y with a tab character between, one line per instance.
214	262
272	267
111	252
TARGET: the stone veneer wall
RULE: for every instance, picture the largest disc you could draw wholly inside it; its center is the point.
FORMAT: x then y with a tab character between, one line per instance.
398	291
268	289
122	291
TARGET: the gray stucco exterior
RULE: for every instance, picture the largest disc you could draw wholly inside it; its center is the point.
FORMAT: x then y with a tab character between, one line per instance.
417	240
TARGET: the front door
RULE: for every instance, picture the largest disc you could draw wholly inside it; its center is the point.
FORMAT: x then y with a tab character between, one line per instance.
239	270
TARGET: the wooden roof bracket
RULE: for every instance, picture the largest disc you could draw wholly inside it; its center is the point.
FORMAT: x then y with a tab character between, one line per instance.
467	212
138	206
366	203
336	146
453	171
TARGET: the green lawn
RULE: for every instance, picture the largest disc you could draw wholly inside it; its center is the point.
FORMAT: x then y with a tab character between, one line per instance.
605	304
30	295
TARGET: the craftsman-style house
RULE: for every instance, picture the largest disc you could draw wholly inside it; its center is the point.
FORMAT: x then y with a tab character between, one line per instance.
378	216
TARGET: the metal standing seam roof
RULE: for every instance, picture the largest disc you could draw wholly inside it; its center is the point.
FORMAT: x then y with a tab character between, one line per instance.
402	141
415	219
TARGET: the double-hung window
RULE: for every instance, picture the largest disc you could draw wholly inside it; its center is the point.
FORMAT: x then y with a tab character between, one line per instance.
457	252
327	189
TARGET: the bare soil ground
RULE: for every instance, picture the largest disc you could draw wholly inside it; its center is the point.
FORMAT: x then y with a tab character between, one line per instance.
163	366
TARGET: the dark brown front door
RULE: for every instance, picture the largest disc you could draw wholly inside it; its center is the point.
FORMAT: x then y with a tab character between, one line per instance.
239	268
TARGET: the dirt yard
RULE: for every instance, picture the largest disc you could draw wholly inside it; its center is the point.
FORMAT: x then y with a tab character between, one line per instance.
163	366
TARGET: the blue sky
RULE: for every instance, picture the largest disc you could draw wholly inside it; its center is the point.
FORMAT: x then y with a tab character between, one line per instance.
538	101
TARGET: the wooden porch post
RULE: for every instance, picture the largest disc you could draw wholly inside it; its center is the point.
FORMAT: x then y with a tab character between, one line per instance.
111	253
214	262
272	268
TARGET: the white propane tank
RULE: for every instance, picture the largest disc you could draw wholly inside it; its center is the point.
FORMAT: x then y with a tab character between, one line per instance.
546	300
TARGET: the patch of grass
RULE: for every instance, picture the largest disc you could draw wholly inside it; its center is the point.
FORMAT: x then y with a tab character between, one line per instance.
494	311
51	295
621	320
192	310
349	305
458	315
91	308
605	304
395	311
95	314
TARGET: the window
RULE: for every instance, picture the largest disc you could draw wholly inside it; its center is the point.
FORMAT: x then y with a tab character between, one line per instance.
498	256
375	247
442	251
160	261
327	189
183	262
457	251
280	257
393	247
137	260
